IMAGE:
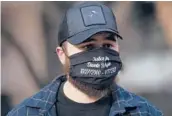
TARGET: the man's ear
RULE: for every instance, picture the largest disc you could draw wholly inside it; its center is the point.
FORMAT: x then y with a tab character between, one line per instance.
60	53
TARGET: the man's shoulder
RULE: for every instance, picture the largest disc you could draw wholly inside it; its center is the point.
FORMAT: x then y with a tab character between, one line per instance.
22	108
143	105
19	110
45	98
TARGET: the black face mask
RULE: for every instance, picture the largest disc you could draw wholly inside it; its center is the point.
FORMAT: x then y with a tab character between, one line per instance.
97	67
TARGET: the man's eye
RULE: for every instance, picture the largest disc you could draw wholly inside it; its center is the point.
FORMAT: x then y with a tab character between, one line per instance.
107	46
89	47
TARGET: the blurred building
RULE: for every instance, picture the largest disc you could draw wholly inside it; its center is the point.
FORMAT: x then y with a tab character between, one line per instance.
29	38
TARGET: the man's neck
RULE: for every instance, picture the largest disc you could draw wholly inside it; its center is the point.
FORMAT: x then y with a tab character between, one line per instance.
76	95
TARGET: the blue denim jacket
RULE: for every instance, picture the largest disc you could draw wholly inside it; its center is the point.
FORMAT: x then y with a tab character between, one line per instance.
124	103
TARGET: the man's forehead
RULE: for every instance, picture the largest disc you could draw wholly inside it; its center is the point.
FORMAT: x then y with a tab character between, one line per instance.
101	36
97	36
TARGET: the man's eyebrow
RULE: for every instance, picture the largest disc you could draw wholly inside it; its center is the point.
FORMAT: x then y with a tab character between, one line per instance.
111	37
87	41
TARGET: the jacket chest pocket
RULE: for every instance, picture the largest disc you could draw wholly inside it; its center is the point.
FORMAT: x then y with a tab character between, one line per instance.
32	112
128	114
131	113
125	114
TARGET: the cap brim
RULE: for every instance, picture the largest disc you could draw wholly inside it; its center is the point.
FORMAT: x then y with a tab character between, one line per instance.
84	35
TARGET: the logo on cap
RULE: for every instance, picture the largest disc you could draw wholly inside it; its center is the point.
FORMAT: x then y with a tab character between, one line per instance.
92	15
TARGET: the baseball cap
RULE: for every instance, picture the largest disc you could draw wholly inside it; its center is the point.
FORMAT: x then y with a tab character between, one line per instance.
84	20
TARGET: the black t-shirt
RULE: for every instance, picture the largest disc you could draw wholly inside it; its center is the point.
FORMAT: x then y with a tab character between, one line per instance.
67	107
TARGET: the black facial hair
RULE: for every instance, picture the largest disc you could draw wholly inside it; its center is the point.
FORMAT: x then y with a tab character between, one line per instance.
89	90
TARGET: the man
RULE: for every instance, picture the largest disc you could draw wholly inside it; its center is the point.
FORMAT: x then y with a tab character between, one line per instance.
89	51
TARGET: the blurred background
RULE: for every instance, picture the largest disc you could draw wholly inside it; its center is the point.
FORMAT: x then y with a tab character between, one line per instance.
29	38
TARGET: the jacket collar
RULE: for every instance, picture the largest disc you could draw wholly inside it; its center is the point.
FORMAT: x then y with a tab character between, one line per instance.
46	98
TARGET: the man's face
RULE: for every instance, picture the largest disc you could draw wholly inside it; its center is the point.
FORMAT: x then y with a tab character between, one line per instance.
103	39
